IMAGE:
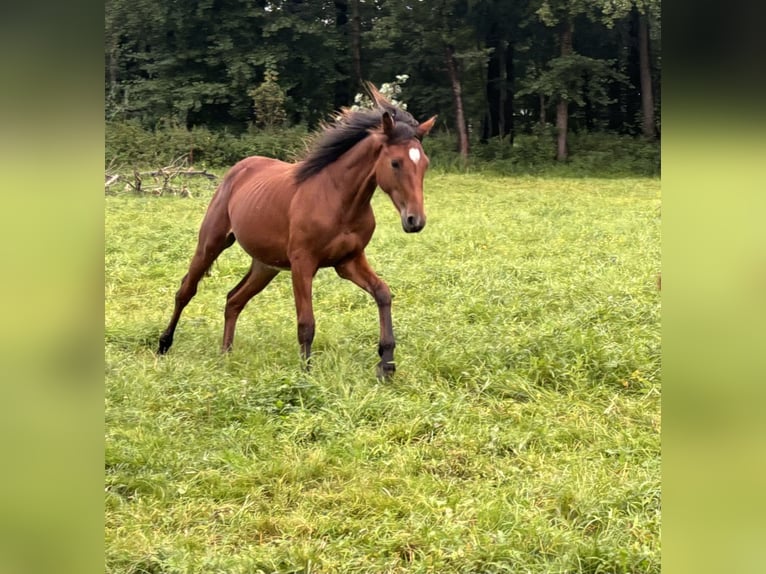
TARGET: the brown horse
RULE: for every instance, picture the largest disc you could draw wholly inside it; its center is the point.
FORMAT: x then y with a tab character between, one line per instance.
312	214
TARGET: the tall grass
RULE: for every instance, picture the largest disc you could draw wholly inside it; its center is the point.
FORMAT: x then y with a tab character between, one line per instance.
520	433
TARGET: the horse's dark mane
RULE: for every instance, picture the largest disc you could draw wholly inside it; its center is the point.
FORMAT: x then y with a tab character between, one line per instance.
348	129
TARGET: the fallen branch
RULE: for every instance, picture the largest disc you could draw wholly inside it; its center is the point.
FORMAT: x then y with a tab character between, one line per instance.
162	176
137	186
162	172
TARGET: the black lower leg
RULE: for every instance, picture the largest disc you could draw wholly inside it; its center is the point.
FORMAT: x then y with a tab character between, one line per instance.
386	367
305	339
166	341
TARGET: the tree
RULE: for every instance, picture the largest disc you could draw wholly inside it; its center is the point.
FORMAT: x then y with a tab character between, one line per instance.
269	102
648	11
558	79
489	68
435	44
457	97
497	24
356	43
570	77
644	11
196	62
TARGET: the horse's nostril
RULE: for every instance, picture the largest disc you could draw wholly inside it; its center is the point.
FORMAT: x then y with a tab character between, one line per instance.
413	223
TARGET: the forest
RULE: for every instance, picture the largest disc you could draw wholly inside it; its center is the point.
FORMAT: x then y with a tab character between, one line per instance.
493	70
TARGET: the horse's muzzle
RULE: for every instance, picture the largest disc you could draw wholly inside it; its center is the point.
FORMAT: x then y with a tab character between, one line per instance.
413	223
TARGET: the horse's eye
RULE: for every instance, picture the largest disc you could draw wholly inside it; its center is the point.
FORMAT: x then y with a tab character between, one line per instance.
396	164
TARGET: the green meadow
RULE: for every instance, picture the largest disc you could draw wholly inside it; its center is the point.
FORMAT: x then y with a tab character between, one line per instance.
521	432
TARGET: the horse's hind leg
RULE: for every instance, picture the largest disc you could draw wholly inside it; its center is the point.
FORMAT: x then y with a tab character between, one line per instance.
213	239
256	280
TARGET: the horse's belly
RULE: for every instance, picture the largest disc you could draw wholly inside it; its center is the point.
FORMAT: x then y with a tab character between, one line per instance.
269	250
263	235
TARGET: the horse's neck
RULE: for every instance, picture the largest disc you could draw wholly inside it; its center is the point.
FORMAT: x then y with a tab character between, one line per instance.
353	174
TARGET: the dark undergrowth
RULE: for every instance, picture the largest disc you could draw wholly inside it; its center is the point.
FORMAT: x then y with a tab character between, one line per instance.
598	154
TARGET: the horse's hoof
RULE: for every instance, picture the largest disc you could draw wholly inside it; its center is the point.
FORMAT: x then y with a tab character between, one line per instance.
385	371
165	344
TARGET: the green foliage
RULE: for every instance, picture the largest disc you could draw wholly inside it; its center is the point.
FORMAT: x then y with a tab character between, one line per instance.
521	432
592	155
535	149
577	78
531	152
129	144
269	102
612	155
198	62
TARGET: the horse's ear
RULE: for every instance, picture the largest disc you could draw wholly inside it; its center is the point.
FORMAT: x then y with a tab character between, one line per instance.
422	130
388	124
379	99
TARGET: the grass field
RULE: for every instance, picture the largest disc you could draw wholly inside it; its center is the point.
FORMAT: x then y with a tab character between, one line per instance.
521	432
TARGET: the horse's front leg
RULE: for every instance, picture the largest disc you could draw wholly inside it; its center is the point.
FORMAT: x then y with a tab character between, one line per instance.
359	272
303	272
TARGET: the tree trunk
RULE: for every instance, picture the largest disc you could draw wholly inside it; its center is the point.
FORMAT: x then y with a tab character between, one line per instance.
457	97
618	91
647	99
543	118
112	66
510	128
588	109
494	77
503	91
562	108
498	119
356	43
342	95
562	118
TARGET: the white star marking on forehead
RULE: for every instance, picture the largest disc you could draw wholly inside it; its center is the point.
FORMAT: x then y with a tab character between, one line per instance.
415	155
